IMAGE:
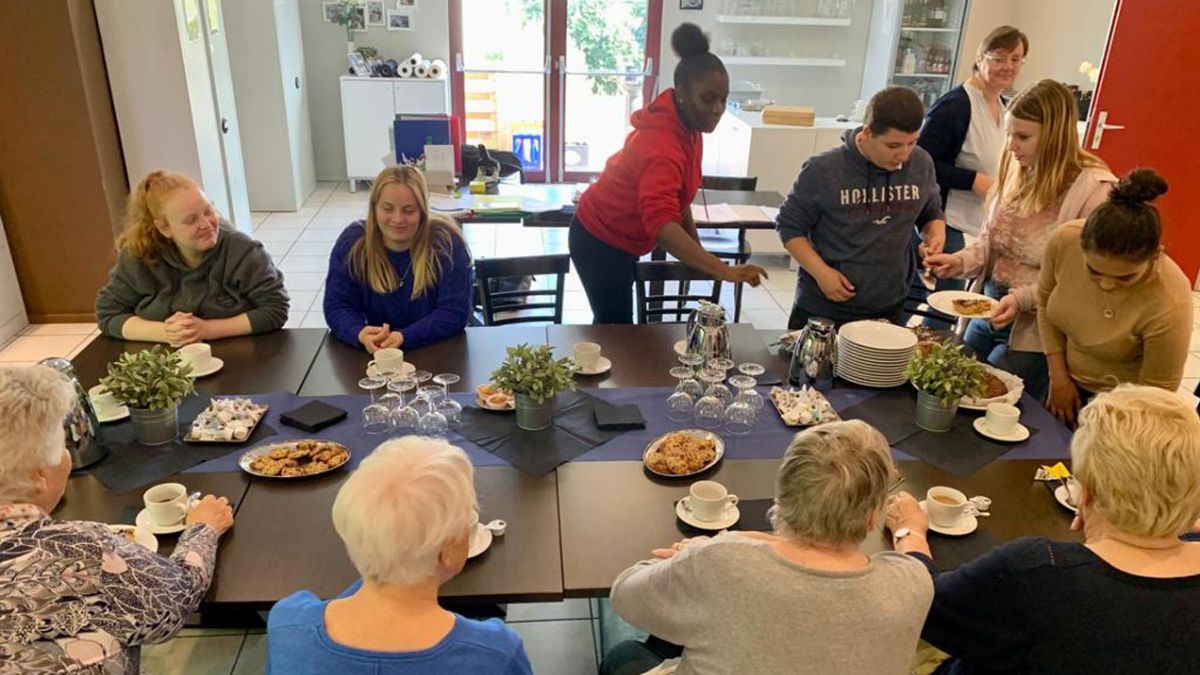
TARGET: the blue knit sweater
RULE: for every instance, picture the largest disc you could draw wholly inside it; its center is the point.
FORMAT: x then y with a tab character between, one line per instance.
440	312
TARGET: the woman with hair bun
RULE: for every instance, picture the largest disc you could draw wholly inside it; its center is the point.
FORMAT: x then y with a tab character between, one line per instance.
643	198
183	274
1112	308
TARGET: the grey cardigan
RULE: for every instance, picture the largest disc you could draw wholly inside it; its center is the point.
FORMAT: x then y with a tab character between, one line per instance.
237	276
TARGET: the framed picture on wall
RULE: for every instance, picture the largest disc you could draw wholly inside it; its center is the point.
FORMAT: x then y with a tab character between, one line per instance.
405	4
359	64
358	19
375	13
397	20
691	4
328	11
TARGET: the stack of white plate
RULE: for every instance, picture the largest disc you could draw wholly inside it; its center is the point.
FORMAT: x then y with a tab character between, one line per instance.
874	353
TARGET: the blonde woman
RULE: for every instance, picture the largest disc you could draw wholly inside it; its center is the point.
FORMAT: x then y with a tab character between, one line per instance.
183	274
401	278
1125	600
1044	180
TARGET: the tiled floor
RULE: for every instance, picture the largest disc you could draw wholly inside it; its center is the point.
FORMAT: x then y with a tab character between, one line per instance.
560	637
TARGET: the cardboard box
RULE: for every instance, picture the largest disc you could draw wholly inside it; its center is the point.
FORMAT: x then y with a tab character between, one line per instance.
797	116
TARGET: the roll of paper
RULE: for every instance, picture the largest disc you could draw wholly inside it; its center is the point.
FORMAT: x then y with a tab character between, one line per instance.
415	59
405	70
422	69
437	69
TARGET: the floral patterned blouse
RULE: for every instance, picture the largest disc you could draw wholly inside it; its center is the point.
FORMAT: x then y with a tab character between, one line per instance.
77	598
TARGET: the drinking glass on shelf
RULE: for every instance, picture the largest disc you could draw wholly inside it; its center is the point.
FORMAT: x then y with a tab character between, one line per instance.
709	412
715	379
739	417
746	391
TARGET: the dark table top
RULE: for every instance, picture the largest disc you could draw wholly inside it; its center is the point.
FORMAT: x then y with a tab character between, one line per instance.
642	355
254	364
286	542
613	513
472	355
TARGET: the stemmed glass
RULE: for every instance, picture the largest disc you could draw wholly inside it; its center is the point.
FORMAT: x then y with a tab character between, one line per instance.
679	403
716	385
708	412
450	409
746	391
405	416
722	364
371	383
751	369
432	423
739	417
376	416
691	386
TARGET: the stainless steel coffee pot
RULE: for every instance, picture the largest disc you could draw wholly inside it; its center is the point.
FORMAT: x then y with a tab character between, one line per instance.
84	442
814	357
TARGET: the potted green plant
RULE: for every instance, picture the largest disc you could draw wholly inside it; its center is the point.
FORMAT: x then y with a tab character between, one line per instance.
942	376
535	377
151	382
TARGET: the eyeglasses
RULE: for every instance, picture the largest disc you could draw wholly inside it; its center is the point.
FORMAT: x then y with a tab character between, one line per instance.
997	59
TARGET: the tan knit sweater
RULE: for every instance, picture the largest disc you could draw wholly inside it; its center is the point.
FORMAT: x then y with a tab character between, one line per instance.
1138	334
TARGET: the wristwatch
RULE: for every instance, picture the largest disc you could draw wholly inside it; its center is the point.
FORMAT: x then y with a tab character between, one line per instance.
899	534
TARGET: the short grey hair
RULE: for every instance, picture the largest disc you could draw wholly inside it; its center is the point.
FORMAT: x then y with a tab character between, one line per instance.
34	403
833	479
409	498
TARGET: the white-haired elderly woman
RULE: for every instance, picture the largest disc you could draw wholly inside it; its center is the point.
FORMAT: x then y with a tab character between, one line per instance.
804	599
1126	600
405	517
74	596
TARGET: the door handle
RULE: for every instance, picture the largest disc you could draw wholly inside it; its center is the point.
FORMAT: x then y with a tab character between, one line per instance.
224	125
1102	126
297	81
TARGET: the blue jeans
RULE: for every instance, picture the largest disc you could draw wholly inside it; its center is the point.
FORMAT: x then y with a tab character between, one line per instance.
991	345
955	242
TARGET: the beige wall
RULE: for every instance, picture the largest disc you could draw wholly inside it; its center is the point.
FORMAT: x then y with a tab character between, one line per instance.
325	61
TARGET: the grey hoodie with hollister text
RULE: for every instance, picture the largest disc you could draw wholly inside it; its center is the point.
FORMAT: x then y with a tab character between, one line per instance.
862	220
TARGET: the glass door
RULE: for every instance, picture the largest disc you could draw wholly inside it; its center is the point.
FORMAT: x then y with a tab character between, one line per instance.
553	81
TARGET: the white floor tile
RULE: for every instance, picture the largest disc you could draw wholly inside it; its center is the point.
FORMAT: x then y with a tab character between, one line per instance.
319	236
318	302
1191	369
780	280
304	263
295	319
758	298
314	319
559	647
43	329
282	224
257	217
765	319
277	249
573	608
583	318
87	340
301	301
1195	341
304	281
309	248
1189	384
211	655
282	236
36	348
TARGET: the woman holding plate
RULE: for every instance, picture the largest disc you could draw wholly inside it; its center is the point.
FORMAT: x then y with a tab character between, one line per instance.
1045	179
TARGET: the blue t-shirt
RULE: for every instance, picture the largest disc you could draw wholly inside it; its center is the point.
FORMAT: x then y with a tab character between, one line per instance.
297	644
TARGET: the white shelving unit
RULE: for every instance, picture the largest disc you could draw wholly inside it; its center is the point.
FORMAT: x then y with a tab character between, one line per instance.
370	105
782	61
782	20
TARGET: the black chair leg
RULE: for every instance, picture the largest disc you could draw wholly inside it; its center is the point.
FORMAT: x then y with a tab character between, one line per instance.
737	302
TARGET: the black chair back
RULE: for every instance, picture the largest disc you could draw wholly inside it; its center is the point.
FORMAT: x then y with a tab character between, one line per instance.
740	183
522	305
652	308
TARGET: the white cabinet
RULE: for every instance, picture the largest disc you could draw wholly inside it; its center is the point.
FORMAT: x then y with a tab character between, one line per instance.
12	308
369	108
270	84
169	73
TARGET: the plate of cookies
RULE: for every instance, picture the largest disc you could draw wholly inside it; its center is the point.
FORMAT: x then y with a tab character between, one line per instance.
683	453
294	459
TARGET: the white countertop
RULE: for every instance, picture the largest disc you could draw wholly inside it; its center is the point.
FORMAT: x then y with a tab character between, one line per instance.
754	119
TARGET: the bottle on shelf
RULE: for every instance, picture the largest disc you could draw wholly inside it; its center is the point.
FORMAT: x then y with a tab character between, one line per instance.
938	14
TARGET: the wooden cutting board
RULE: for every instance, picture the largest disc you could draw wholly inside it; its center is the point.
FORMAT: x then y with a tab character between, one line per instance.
799	116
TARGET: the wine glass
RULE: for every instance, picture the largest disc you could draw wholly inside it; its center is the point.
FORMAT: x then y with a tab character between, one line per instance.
422	376
446	379
739	417
722	364
377	419
450	409
746	391
371	383
432	422
751	369
715	379
708	412
406	416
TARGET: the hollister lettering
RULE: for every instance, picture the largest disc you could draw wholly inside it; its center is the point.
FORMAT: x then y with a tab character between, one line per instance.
880	195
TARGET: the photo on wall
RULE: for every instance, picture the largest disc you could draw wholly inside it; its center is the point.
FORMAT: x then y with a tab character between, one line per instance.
405	4
397	20
691	4
328	11
375	13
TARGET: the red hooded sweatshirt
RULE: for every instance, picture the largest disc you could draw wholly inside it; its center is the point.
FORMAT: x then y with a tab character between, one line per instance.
648	183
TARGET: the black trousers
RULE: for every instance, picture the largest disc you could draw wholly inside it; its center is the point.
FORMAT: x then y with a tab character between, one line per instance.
607	275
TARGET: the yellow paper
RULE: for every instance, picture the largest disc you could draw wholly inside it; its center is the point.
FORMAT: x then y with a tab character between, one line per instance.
1058	471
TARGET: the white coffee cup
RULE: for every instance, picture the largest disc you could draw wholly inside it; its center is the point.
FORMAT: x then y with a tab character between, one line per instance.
587	355
708	500
1002	418
196	355
1073	491
167	503
103	402
945	506
388	360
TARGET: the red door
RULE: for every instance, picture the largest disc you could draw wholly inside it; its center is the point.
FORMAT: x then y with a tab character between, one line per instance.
1143	107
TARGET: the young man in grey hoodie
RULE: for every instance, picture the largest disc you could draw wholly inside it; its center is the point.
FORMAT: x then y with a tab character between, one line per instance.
852	215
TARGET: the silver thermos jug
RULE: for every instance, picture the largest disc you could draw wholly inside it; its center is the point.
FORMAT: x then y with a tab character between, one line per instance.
84	442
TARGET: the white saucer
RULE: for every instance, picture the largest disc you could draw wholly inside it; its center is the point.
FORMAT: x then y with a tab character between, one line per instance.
407	369
119	414
144	521
603	365
966	525
141	536
214	364
1061	495
481	539
725	522
1019	432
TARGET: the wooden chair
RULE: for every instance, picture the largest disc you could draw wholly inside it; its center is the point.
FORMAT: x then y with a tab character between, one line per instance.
516	304
653	308
729	244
